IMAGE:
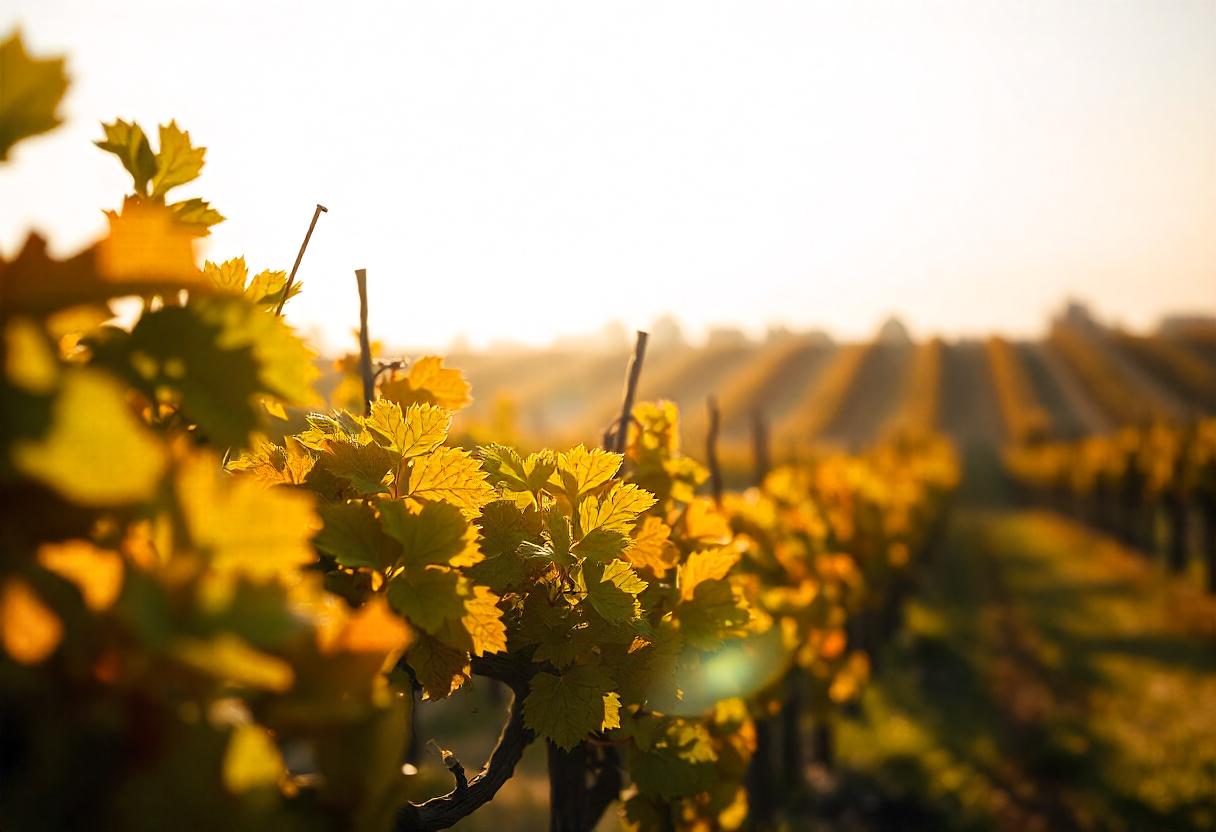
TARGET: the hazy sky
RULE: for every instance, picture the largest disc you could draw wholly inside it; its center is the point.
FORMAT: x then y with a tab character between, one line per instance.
520	170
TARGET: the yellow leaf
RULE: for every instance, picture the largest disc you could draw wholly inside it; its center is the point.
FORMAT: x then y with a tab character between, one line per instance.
651	547
229	659
450	474
580	470
704	524
29	363
419	429
709	565
243	527
612	589
440	669
483	620
428	382
30	630
373	628
617	510
147	244
98	574
228	277
252	760
96	453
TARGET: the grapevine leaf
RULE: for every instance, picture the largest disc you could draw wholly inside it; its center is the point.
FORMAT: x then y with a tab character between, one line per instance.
129	143
714	613
617	510
567	708
482	620
506	468
98	574
437	533
365	467
353	537
429	597
177	160
601	545
612	590
148	246
704	525
651	547
228	277
668	776
560	539
580	471
245	528
198	216
708	565
30	93
274	465
97	452
440	669
371	629
419	429
31	630
449	474
230	659
252	760
428	382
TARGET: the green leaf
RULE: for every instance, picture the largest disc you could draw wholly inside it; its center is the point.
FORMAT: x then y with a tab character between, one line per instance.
130	145
352	536
429	597
602	545
436	534
216	357
365	467
567	708
440	669
200	216
560	538
612	590
30	92
511	471
177	160
714	613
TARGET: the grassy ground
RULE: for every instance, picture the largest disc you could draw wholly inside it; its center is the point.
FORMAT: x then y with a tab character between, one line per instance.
1047	679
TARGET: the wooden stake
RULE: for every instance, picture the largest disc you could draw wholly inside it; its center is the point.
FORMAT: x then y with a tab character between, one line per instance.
631	387
365	344
711	450
760	452
291	278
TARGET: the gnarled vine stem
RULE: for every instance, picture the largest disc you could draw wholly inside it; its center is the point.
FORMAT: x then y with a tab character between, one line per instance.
444	811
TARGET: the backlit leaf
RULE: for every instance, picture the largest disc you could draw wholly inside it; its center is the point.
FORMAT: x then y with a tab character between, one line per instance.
29	629
449	474
707	565
440	669
95	572
409	432
612	590
30	92
351	534
97	452
428	382
129	143
435	533
177	160
567	708
616	510
252	760
580	470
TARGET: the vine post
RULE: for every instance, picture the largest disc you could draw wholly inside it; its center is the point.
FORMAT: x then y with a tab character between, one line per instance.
585	780
365	345
711	449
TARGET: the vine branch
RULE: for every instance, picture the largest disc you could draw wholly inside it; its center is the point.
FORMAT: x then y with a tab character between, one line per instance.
291	278
469	795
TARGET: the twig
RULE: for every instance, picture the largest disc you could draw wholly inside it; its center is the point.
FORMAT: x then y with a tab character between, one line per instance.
365	344
711	450
291	278
631	388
